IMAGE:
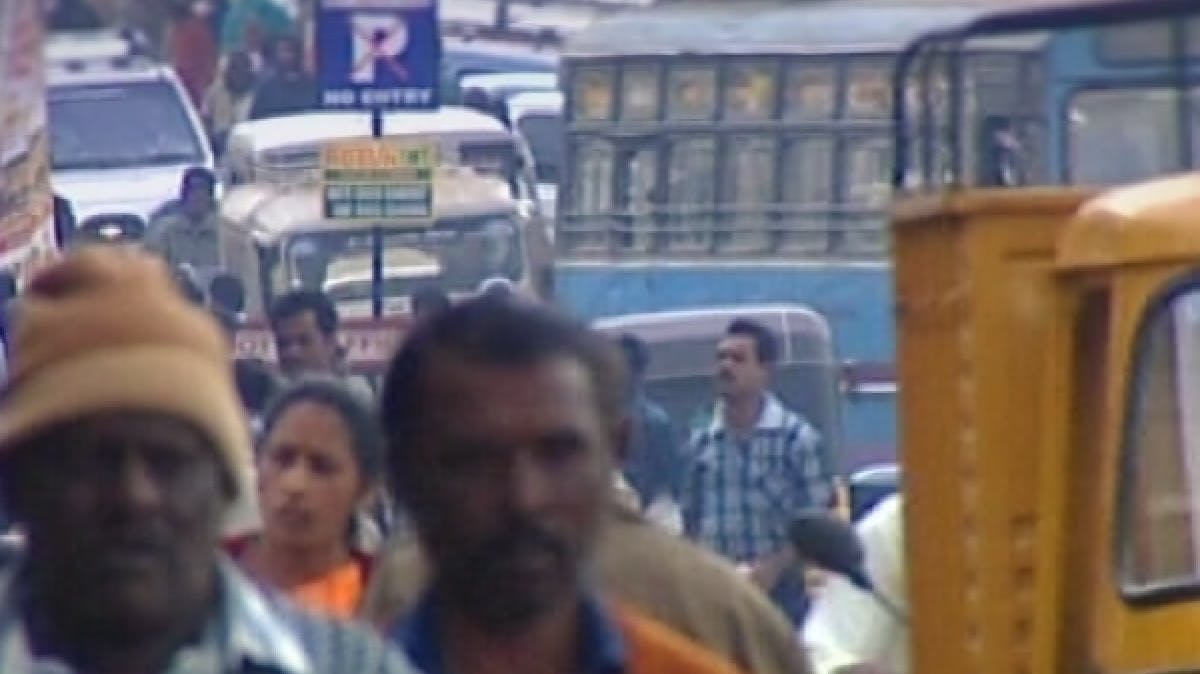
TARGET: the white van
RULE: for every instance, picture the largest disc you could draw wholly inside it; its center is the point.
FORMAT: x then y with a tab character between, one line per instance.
122	133
288	149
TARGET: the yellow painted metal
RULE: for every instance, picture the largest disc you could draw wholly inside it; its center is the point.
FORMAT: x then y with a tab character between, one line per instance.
1018	313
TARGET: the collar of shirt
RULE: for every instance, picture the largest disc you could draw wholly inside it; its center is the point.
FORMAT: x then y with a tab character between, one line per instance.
603	649
773	417
246	629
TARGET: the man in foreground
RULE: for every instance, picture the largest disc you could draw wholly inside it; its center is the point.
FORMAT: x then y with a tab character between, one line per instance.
503	422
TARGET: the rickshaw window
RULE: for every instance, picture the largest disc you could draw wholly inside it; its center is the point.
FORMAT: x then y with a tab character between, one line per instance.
1158	508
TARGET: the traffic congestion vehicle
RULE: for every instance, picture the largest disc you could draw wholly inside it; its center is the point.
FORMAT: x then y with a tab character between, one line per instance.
1047	337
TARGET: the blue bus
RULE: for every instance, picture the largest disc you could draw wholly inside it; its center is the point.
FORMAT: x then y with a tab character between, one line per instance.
739	152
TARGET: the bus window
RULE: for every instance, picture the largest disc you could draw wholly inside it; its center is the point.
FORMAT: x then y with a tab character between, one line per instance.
591	195
750	94
692	92
808	191
639	180
810	90
639	92
868	164
1144	41
1160	499
748	182
691	179
868	89
593	94
1122	135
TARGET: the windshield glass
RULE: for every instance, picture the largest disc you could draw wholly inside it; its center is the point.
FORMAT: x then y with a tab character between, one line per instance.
121	126
455	255
545	134
1138	126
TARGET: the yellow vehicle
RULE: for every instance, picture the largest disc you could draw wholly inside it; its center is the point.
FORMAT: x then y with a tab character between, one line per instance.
276	237
1049	366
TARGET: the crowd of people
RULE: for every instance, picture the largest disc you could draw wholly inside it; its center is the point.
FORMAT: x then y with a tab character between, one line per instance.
466	512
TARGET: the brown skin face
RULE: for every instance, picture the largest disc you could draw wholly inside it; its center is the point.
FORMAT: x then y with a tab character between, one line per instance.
309	480
740	374
303	347
510	477
122	511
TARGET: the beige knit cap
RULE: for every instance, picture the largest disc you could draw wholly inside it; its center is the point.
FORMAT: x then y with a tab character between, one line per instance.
107	329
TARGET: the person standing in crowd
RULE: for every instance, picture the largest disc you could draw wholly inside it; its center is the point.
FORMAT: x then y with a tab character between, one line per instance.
230	97
287	88
122	449
248	23
189	233
652	465
503	422
320	460
256	382
192	46
753	468
849	631
305	323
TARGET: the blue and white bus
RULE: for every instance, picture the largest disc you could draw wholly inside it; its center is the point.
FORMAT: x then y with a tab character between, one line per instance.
727	152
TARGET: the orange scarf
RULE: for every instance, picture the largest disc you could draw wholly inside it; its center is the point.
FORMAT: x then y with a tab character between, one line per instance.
336	593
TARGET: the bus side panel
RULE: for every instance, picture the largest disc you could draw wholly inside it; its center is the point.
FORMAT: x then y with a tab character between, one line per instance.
974	286
854	297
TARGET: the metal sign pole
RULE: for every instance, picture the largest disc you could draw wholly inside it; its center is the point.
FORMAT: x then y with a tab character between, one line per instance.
377	236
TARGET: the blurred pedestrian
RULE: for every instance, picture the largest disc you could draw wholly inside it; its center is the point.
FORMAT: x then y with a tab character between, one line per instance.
653	464
503	421
287	87
192	46
306	324
320	461
753	468
230	98
122	450
189	231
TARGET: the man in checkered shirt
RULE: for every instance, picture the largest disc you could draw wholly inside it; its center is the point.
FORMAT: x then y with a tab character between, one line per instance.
753	468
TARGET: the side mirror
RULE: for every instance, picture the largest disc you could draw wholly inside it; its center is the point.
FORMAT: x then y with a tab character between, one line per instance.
227	292
832	544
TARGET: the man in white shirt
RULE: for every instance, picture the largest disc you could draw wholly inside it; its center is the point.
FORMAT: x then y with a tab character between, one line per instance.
848	631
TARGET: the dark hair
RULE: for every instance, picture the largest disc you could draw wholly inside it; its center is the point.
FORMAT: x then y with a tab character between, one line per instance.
637	356
766	345
197	174
430	299
296	302
490	332
365	440
257	384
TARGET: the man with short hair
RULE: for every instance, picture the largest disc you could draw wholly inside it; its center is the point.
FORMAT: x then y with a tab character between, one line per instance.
305	323
122	450
187	232
753	468
503	422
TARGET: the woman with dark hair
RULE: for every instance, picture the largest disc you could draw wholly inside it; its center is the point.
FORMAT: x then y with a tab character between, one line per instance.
319	460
